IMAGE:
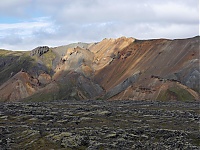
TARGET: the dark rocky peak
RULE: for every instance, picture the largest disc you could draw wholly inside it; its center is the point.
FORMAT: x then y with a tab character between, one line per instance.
39	51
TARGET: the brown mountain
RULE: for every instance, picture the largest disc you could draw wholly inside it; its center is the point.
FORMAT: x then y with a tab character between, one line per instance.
115	69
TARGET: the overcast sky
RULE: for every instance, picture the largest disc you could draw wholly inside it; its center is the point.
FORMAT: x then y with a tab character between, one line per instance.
26	24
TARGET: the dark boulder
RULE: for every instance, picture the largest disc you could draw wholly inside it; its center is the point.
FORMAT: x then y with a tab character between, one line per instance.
39	51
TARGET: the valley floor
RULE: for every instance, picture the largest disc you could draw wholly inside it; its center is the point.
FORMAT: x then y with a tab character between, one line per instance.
100	125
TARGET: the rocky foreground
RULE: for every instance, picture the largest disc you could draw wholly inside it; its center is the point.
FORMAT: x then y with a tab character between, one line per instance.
100	125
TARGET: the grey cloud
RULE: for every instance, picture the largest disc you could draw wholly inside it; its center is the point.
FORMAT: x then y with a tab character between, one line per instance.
11	40
102	11
93	20
14	8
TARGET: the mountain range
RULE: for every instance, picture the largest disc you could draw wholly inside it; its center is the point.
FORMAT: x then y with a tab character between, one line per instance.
112	69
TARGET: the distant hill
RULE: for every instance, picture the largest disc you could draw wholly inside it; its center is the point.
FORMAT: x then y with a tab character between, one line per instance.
113	69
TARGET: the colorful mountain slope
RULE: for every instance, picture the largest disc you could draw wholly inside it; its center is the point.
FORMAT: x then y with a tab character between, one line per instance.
123	68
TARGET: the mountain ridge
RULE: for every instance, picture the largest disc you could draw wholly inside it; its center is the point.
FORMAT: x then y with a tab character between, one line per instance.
114	69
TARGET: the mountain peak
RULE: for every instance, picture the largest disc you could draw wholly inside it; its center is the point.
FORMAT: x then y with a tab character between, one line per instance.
110	69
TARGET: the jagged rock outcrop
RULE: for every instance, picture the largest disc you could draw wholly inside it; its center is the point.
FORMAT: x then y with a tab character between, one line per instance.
39	51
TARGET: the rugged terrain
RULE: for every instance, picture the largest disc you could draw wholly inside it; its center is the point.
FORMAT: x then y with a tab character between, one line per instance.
93	95
97	124
117	69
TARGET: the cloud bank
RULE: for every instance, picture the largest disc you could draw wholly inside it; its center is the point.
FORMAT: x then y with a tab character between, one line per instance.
27	24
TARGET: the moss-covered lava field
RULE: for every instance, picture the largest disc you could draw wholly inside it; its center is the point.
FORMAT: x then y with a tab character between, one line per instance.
99	125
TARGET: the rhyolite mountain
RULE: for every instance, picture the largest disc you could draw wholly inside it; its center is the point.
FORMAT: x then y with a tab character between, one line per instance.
113	69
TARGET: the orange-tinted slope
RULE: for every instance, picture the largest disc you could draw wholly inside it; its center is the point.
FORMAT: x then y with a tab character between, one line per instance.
163	59
105	50
18	87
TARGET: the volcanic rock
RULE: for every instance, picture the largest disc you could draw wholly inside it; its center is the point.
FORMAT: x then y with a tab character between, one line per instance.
39	51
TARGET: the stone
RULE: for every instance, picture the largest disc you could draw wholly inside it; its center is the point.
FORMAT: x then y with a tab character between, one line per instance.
39	51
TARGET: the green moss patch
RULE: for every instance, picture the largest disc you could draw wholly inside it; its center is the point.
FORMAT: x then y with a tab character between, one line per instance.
48	58
13	66
175	93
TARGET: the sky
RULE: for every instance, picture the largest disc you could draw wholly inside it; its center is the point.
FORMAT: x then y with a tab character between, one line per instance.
26	24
